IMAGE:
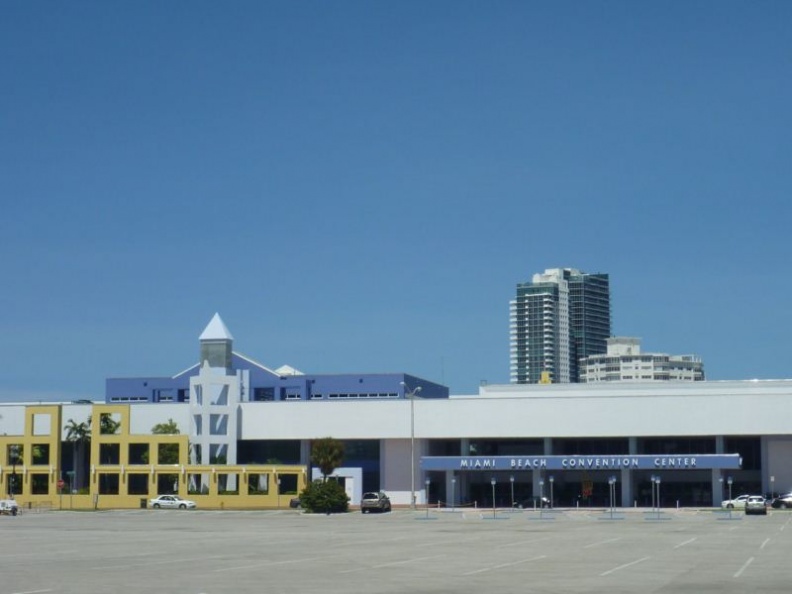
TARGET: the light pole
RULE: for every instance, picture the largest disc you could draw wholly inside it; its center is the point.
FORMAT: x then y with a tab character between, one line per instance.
411	394
541	493
657	480
552	480
453	490
612	483
492	482
427	499
511	480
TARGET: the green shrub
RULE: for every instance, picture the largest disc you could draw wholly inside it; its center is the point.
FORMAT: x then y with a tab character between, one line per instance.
324	498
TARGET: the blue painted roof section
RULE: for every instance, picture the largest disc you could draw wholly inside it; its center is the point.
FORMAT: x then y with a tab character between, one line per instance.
264	380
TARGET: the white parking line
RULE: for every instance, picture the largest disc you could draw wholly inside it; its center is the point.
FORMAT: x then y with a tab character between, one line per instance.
391	564
636	562
682	544
520	543
502	565
764	543
602	542
744	567
271	563
32	592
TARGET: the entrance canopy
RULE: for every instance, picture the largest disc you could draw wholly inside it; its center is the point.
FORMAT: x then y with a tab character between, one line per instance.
612	462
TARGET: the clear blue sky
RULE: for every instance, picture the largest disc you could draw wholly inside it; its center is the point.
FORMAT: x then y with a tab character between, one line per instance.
359	186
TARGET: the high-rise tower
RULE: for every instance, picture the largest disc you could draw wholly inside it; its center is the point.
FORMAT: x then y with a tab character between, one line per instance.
559	317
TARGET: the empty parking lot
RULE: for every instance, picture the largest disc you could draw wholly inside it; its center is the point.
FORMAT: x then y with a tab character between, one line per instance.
227	552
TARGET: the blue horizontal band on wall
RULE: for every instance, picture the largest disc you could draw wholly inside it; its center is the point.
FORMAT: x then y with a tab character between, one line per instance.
610	462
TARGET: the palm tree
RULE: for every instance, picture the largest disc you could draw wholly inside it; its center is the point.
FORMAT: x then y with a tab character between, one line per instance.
78	434
327	453
107	426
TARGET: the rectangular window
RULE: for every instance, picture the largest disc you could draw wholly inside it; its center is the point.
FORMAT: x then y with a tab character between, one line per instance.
228	483
198	484
42	424
168	453
137	483
258	484
218	425
167	483
108	483
39	484
287	484
138	453
41	453
109	453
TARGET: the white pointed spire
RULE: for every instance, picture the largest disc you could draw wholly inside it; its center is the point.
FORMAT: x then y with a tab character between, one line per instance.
216	330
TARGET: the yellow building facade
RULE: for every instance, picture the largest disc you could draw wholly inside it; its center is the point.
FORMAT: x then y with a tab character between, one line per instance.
125	470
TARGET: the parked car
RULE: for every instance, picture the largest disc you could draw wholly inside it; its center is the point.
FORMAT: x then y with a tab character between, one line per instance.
736	503
756	504
171	502
782	501
375	502
9	506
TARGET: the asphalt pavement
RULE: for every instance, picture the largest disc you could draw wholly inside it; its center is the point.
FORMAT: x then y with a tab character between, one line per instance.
460	552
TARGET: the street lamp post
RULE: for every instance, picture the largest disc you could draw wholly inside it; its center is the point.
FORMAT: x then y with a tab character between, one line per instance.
552	480
541	494
453	492
658	496
492	482
511	480
411	394
427	499
612	483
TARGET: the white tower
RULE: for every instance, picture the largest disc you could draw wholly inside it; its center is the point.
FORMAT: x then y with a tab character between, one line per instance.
215	394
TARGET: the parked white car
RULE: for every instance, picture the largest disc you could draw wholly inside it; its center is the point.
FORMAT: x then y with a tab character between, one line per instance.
171	502
756	504
9	506
736	503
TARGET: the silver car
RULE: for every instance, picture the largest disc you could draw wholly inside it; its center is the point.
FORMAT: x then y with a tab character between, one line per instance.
756	504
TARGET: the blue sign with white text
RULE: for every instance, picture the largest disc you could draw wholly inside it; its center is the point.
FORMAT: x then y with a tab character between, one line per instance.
620	462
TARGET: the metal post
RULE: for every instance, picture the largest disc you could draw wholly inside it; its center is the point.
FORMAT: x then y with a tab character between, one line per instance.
652	478
729	481
511	480
610	494
552	480
411	394
541	494
453	491
427	499
658	497
492	482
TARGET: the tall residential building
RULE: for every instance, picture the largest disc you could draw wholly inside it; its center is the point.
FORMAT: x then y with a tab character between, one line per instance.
558	318
624	362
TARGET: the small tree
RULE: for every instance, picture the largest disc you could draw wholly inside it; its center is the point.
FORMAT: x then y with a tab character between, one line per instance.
327	453
324	497
168	452
169	428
